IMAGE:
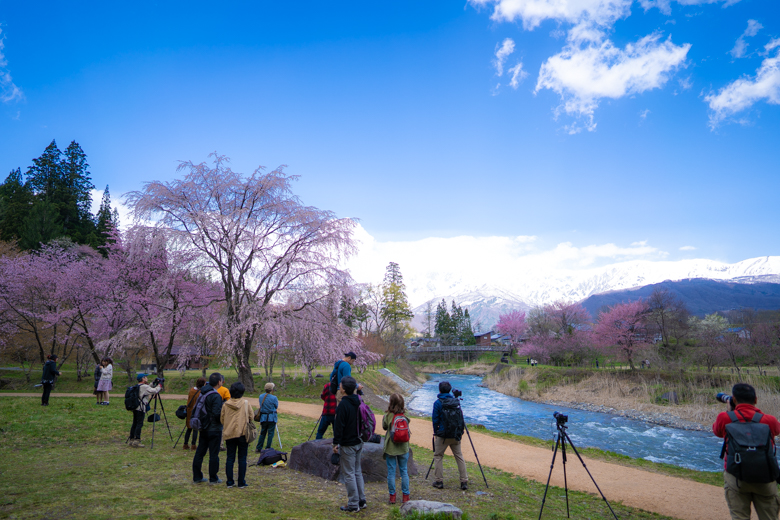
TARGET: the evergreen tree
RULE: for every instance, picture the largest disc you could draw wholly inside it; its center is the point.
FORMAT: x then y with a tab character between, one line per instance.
75	199
15	200
443	326
395	308
41	225
467	334
106	221
456	321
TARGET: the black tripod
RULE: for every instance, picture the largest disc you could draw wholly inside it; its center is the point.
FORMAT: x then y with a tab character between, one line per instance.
315	427
560	440
156	400
465	426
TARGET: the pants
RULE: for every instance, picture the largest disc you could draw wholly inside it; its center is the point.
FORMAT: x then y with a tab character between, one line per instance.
46	393
353	473
399	461
740	494
439	447
325	421
138	423
194	436
269	428
242	446
208	442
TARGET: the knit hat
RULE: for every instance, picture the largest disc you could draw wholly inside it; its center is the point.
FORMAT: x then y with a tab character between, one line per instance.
269	387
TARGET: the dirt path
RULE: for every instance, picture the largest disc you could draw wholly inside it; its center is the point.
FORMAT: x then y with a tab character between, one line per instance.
662	494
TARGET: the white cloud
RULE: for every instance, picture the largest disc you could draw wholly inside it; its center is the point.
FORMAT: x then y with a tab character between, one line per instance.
743	93
687	248
502	53
643	114
518	75
740	46
665	6
534	12
8	90
583	75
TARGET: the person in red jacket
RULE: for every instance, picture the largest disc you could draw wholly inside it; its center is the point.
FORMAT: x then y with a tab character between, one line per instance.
328	410
739	494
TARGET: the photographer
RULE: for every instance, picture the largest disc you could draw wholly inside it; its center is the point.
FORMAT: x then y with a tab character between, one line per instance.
448	427
739	493
50	374
145	394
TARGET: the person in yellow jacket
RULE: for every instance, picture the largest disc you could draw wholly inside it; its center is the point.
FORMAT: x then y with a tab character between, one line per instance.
224	393
236	415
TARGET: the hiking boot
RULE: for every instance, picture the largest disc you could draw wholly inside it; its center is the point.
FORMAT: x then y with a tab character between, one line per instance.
405	499
392	499
362	504
438	484
348	509
464	486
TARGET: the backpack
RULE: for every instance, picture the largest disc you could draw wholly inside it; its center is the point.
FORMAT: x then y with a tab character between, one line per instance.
132	399
270	456
200	417
451	419
751	453
366	421
334	377
399	431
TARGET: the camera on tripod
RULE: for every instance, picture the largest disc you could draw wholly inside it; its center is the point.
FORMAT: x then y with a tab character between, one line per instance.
457	393
723	398
560	418
158	381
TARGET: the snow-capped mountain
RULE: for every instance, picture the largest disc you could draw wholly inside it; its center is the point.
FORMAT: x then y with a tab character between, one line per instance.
524	290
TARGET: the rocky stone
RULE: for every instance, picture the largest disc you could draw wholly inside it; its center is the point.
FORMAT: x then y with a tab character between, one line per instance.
313	457
671	397
429	506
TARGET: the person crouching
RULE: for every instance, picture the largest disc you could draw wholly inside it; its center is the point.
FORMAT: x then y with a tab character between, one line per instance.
235	416
347	441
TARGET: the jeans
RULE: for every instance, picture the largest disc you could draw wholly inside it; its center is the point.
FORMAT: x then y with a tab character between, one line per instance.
399	461
269	428
325	421
138	423
46	392
240	444
208	442
194	436
353	473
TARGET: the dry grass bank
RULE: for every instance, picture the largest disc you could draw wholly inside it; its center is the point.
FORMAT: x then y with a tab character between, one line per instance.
638	390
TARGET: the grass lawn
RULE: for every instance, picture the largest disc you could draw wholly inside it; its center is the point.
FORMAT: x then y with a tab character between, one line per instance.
70	460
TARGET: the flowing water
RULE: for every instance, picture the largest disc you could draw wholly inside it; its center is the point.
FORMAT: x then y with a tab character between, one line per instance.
637	439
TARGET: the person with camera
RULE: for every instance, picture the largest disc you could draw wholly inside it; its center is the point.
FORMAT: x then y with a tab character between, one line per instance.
210	431
50	374
749	477
146	393
347	442
269	403
448	428
236	415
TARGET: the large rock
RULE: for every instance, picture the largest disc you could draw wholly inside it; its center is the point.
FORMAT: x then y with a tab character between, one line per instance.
313	457
429	506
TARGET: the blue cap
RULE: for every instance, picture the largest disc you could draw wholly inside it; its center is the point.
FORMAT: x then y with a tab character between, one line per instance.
140	376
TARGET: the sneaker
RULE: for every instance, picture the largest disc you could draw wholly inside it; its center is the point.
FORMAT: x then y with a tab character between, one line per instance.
222	448
186	447
438	484
406	499
201	481
138	444
348	509
243	486
218	481
362	504
392	499
230	484
464	486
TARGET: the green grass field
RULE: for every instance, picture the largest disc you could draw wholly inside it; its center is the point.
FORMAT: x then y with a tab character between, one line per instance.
70	460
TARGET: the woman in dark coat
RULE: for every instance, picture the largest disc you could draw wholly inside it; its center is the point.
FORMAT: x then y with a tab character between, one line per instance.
50	372
98	371
192	399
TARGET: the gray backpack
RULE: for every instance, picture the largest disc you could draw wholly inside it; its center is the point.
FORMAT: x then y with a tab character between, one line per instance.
200	420
751	452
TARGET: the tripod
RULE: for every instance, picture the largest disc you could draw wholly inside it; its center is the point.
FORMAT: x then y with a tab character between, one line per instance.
560	440
466	427
157	399
315	427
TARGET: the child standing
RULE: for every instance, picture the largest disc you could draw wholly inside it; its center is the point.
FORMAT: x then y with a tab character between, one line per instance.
396	452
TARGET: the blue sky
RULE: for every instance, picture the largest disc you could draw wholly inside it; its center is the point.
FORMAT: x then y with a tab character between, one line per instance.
645	125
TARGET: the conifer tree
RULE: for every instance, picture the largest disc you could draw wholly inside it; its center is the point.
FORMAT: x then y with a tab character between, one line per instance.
395	310
15	200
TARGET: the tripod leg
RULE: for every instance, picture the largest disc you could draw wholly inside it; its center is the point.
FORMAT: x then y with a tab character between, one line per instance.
433	441
165	416
552	464
475	455
591	476
179	437
315	427
279	437
565	483
154	423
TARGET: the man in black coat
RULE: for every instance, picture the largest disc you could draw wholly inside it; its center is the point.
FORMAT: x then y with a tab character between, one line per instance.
347	441
210	432
50	374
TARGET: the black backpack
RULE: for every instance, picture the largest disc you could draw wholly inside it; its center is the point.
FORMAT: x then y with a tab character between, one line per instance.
452	422
751	453
270	456
334	377
132	399
200	420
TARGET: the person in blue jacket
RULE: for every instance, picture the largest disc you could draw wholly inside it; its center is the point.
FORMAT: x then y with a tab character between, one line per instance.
269	403
448	427
341	369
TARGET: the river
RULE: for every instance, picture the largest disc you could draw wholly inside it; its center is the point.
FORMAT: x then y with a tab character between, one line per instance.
637	439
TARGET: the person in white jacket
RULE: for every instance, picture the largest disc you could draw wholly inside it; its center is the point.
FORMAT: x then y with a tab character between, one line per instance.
105	385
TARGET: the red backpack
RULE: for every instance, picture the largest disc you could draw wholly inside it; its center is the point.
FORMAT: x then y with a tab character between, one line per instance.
399	431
